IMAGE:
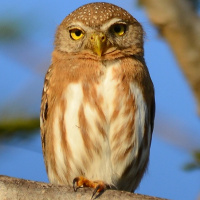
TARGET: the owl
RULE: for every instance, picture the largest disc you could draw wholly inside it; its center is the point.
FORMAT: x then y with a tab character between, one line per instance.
97	110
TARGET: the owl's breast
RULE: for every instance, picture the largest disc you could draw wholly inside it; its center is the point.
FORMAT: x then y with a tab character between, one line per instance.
95	117
108	87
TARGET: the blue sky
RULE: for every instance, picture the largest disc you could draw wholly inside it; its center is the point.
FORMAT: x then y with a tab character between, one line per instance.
24	63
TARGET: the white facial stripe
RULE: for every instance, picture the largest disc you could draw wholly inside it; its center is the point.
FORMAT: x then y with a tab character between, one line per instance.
80	25
108	24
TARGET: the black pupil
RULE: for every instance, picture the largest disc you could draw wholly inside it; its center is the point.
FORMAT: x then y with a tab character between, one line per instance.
78	32
117	28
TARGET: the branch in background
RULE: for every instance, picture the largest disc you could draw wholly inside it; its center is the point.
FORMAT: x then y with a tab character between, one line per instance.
20	189
196	162
10	127
179	24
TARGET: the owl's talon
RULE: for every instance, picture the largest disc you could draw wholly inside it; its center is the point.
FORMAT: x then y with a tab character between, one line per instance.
99	186
95	191
75	181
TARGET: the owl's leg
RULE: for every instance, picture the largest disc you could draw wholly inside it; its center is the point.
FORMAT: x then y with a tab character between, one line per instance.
81	181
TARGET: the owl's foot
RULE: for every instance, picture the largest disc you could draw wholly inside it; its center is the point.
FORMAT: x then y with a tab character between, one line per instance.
99	186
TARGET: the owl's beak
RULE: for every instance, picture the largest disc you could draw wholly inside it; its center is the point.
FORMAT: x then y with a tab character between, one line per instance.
98	41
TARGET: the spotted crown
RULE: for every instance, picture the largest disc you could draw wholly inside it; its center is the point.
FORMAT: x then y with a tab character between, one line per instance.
95	14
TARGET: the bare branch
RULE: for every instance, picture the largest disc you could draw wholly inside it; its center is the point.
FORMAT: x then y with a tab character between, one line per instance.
20	189
180	26
10	127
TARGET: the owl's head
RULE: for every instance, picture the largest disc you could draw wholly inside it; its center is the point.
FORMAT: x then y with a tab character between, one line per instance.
100	29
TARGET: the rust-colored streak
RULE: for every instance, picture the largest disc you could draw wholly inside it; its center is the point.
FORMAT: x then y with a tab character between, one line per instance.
95	101
116	138
84	129
50	148
130	104
129	114
67	152
131	107
98	101
101	129
102	117
114	115
130	130
123	155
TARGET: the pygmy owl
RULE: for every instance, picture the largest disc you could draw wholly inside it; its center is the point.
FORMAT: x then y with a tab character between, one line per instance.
97	110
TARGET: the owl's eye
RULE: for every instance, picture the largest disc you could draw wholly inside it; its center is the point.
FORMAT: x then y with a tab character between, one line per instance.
76	33
119	29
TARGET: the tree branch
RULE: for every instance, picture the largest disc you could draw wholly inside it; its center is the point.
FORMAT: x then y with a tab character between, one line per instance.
180	26
9	127
20	189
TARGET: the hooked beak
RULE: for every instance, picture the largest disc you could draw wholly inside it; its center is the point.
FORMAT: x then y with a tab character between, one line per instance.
98	41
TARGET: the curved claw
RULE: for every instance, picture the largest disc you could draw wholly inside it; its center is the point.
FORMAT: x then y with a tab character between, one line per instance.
99	186
75	183
95	191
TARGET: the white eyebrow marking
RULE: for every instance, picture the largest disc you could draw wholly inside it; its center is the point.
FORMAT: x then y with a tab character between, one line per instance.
108	24
81	25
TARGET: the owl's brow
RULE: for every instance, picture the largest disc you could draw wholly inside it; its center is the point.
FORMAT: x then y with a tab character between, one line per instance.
111	22
79	25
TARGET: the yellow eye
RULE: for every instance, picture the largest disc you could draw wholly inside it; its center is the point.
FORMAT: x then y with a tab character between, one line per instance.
76	33
119	29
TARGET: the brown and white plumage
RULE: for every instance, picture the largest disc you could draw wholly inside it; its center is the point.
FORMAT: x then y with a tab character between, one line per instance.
97	110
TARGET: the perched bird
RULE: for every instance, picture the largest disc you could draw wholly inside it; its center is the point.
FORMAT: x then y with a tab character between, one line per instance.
97	110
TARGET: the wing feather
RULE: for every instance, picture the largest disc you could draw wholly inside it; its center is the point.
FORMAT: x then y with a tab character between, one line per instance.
44	107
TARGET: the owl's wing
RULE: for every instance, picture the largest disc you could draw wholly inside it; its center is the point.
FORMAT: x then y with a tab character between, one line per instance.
44	107
152	113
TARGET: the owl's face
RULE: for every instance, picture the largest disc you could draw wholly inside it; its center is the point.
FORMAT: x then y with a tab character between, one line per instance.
99	29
